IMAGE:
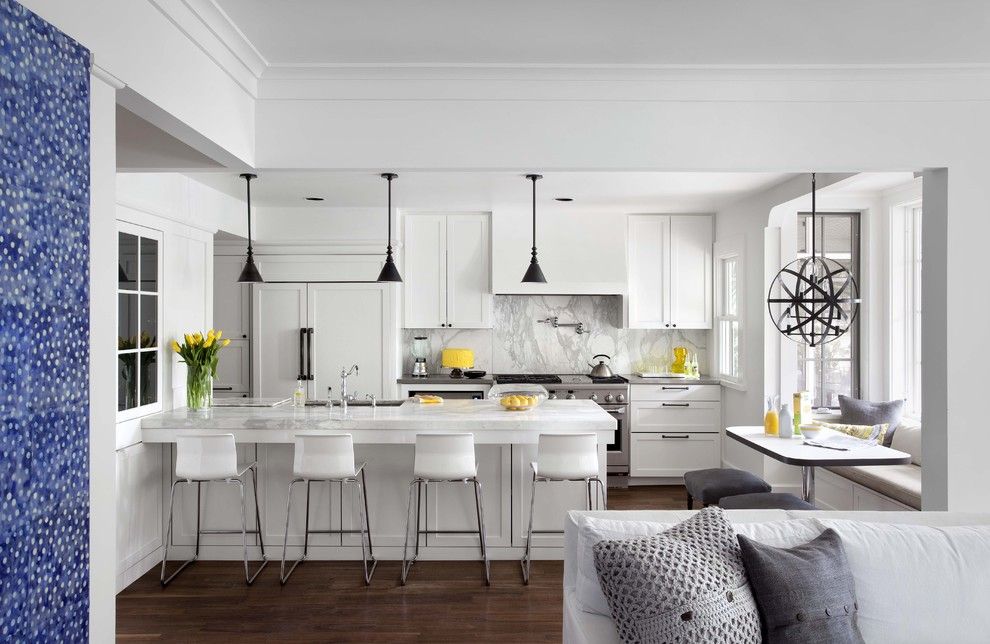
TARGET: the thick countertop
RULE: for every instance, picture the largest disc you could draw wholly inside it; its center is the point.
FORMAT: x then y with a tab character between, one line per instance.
443	379
639	380
485	419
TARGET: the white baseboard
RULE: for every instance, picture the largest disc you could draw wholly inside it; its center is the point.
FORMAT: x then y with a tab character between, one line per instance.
137	570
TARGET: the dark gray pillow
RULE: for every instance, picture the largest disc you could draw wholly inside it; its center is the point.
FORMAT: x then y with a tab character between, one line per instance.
863	412
805	594
686	584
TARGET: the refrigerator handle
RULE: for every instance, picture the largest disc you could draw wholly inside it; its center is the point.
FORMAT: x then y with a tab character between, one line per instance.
309	354
302	354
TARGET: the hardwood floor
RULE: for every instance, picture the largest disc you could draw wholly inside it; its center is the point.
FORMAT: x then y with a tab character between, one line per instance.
328	602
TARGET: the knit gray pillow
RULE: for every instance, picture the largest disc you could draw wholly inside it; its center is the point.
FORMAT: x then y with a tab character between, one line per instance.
854	411
686	584
806	593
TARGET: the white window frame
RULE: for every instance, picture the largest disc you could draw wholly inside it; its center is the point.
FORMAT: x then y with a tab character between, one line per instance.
904	368
157	235
734	249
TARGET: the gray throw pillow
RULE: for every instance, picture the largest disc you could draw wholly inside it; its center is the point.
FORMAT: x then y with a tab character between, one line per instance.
686	584
863	412
805	594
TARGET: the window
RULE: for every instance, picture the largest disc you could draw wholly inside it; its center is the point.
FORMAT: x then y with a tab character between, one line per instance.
138	321
832	368
728	312
905	306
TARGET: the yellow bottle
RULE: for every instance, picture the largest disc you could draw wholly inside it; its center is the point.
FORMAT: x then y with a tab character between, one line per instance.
771	419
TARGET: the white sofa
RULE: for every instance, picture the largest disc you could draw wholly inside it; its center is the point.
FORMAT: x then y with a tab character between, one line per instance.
920	576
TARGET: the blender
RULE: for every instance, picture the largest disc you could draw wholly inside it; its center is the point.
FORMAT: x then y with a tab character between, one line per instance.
420	349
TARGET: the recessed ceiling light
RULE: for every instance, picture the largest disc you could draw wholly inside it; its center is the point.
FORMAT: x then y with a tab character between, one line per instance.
563	198
314	198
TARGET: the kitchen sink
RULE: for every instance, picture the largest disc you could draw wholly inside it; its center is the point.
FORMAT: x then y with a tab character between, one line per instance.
356	403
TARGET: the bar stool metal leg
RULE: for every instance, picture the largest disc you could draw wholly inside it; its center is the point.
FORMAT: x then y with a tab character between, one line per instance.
528	557
479	507
165	581
248	577
367	554
411	523
283	575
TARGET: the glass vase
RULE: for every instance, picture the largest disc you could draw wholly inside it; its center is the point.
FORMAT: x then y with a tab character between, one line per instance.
199	387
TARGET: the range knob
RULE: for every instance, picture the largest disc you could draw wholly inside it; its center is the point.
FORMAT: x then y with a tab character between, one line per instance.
620	398
609	398
552	396
571	396
593	396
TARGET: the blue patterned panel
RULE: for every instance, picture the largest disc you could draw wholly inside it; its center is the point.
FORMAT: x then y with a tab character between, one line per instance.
44	331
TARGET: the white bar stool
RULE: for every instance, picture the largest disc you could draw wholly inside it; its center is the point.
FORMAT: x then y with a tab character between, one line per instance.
443	458
212	458
563	457
328	458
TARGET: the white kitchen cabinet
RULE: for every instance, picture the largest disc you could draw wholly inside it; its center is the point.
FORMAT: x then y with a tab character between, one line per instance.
447	271
669	261
450	507
139	510
663	454
312	331
674	429
231	300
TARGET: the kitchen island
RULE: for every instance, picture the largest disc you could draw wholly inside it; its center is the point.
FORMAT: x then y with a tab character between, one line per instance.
384	438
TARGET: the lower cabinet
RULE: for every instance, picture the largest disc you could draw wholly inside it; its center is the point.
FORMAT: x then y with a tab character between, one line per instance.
139	510
672	453
674	429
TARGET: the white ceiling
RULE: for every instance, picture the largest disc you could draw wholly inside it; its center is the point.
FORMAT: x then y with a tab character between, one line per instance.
609	32
613	191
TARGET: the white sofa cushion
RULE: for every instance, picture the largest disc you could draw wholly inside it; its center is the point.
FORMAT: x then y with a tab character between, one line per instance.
588	593
918	584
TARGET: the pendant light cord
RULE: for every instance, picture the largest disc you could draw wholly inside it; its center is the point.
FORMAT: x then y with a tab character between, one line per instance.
533	179
814	218
389	249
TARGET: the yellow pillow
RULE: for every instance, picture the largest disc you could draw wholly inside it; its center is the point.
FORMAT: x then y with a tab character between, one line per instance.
859	431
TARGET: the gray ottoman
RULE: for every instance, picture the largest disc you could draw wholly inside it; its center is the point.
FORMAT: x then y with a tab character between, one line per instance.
709	486
764	501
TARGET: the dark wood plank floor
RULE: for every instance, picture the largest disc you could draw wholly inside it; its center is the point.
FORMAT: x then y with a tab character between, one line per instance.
327	601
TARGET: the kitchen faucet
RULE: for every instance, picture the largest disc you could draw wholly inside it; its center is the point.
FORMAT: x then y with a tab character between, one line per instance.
344	373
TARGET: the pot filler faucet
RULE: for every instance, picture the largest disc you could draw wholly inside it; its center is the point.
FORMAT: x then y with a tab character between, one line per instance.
344	373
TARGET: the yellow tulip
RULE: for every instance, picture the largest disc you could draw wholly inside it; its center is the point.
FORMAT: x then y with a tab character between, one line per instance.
211	333
175	346
190	341
219	334
226	342
209	342
198	337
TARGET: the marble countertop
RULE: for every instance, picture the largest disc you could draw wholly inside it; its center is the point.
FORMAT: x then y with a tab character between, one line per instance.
639	380
443	379
485	419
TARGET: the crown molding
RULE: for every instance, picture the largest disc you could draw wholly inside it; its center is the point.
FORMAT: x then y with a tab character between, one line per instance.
207	27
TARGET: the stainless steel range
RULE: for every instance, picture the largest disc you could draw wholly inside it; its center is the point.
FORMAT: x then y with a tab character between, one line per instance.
612	394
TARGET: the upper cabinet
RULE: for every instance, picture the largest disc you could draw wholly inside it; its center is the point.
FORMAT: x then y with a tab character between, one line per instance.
447	271
670	271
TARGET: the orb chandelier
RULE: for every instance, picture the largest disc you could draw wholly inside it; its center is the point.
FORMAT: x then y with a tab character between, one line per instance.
813	300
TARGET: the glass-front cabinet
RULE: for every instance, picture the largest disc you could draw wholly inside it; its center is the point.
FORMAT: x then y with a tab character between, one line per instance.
139	263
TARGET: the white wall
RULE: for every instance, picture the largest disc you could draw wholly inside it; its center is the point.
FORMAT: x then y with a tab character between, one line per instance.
187	214
170	80
102	362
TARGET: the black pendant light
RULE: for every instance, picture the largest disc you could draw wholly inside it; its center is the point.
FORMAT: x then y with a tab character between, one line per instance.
534	274
389	271
250	273
818	297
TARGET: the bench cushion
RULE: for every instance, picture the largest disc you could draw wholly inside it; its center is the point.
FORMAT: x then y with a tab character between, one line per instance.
899	482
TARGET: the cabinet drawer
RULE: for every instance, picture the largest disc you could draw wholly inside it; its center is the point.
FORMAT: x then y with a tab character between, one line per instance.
678	417
672	453
675	392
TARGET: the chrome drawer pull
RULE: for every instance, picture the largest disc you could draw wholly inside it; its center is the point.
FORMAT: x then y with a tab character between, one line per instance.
675	404
680	436
665	388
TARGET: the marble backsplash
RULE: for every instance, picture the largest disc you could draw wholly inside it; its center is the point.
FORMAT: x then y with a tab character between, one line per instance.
520	344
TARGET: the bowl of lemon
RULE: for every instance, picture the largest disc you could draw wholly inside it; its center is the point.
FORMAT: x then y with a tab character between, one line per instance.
517	397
